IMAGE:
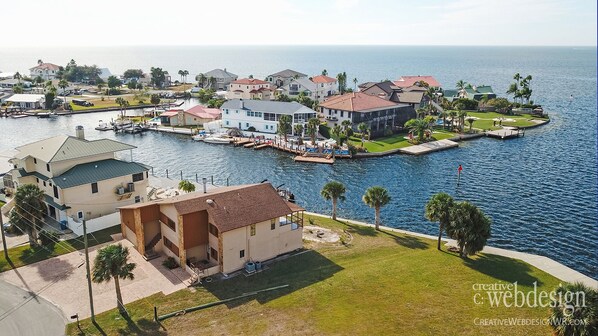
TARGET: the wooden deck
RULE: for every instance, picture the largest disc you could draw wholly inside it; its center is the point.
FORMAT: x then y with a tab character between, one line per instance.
506	133
262	146
313	159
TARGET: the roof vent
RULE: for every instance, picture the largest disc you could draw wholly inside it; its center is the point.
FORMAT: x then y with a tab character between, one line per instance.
210	201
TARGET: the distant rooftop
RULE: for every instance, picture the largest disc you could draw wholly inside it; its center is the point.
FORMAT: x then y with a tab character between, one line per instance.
406	81
288	73
267	106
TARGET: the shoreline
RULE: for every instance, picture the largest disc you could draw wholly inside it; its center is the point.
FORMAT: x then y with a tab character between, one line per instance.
542	263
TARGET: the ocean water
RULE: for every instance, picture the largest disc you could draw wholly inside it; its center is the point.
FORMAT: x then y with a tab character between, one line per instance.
540	190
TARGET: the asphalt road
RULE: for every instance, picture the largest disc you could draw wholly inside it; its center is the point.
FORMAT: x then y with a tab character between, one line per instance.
24	314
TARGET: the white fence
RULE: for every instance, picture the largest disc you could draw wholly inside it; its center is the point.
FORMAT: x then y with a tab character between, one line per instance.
95	224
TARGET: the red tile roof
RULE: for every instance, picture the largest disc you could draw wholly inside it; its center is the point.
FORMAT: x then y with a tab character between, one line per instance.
249	81
322	79
204	112
406	81
46	66
356	102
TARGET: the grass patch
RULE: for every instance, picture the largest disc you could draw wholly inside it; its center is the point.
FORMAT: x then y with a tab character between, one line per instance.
486	121
25	255
395	141
383	283
110	102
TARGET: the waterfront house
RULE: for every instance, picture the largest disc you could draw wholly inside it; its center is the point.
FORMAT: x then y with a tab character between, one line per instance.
11	83
47	71
470	92
297	86
195	116
284	77
387	90
217	231
407	81
325	86
27	101
221	79
81	179
249	88
357	107
262	115
104	74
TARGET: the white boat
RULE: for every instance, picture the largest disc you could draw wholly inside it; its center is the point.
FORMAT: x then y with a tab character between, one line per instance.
217	140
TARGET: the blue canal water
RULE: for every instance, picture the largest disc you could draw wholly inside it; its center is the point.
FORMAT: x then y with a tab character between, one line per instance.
540	190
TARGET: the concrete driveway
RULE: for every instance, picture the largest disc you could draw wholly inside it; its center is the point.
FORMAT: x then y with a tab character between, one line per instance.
61	280
24	314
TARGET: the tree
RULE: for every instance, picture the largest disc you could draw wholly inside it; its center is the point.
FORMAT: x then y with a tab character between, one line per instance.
123	104
114	82
185	74
18	77
337	134
112	262
29	211
284	126
211	82
438	209
155	99
419	127
470	120
38	80
460	85
283	98
158	77
49	97
513	89
101	85
181	74
17	89
201	80
573	303
132	84
470	227
461	115
362	127
333	191
313	125
376	197
324	72
342	81
355	84
186	186
133	73
40	62
298	129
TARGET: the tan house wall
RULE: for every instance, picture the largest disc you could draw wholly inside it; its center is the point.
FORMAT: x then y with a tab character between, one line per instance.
131	236
105	201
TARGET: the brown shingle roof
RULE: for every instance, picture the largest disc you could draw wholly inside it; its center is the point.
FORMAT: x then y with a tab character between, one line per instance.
231	207
356	102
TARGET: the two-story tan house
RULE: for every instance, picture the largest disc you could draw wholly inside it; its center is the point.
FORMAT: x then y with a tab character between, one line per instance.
217	231
249	88
81	179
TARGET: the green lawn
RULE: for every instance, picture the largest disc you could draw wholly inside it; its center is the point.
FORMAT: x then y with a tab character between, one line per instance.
24	255
109	102
395	141
486	121
382	283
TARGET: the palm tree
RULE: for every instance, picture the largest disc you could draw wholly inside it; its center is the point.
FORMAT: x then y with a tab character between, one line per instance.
470	227
443	115
63	84
376	197
181	74
419	127
346	125
313	125
298	130
185	74
324	72
568	309
362	127
123	104
40	62
461	115
29	211
453	115
111	262
355	84
333	191
337	132
211	82
186	186
460	85
438	209
513	89
18	77
284	126
201	78
470	120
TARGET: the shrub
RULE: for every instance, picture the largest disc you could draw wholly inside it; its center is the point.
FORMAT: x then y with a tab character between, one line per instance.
352	149
251	129
468	104
170	263
325	131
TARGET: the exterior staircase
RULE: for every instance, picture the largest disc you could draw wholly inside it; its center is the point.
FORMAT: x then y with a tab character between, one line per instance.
149	248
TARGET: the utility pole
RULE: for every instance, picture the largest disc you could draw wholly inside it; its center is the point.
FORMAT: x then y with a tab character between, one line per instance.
3	238
93	317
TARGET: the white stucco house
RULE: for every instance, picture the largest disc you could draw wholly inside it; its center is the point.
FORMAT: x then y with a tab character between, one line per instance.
47	71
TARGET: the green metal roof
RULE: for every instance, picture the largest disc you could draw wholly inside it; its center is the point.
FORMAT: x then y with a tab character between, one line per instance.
484	89
24	173
50	201
97	171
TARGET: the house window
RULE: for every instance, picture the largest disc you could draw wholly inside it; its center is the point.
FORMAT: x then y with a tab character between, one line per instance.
137	177
213	254
47	166
55	192
272	224
171	246
167	221
44	183
137	199
80	214
246	124
252	230
213	230
35	160
36	180
242	254
94	188
227	122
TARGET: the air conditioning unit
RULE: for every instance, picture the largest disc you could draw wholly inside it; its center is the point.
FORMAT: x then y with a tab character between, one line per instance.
131	186
120	190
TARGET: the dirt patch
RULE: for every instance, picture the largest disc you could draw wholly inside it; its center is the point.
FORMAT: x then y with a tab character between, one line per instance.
320	234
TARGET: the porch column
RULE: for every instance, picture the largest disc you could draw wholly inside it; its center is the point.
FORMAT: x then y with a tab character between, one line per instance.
182	252
139	234
123	226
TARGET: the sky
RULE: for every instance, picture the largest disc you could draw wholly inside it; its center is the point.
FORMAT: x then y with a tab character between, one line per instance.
299	22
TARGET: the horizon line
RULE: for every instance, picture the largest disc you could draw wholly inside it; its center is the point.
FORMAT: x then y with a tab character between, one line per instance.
309	45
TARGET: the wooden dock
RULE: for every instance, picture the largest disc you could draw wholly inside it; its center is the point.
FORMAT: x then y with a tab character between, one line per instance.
506	133
249	145
175	130
241	141
262	146
313	159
